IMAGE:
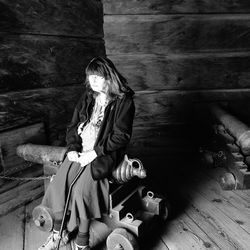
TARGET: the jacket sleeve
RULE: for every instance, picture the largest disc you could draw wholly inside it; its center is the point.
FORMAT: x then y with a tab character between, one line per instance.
121	133
72	138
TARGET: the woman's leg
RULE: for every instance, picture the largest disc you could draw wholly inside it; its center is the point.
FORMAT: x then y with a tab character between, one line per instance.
82	238
54	199
55	195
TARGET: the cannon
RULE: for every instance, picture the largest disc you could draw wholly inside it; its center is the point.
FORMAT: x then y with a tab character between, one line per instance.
235	127
134	210
54	155
229	149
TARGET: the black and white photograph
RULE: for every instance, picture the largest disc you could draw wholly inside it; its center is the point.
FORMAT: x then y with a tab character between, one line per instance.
124	125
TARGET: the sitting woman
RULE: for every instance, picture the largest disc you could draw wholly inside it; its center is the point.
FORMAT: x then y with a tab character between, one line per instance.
97	137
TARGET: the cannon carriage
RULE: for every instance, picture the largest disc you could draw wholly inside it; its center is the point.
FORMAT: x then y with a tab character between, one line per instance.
134	210
228	149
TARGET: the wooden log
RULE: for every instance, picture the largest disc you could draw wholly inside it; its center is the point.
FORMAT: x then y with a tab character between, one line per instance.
172	71
67	18
173	7
55	106
37	61
238	129
164	34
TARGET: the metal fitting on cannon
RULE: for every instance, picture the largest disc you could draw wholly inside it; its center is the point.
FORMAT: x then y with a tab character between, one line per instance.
128	169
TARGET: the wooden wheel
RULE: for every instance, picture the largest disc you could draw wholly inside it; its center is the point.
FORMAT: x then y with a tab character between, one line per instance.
121	239
43	219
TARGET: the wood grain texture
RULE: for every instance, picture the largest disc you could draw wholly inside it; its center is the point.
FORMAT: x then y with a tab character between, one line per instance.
68	18
164	34
33	61
237	237
54	106
182	6
20	190
21	200
191	71
207	223
9	140
33	171
183	232
230	203
11	227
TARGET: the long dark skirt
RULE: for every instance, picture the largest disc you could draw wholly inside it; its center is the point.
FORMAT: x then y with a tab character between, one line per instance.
89	198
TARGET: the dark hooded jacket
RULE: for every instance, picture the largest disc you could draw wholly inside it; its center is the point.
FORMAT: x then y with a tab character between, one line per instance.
114	134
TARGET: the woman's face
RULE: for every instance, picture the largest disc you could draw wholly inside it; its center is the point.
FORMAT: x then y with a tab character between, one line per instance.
97	83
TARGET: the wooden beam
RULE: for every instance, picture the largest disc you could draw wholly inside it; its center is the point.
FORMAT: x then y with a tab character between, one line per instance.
173	7
67	18
185	71
55	106
164	34
37	61
48	105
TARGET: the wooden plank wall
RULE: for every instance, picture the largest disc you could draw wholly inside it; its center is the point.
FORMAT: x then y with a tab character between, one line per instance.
45	46
178	55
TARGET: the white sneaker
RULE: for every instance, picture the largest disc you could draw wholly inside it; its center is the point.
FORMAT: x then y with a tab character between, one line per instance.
52	241
74	246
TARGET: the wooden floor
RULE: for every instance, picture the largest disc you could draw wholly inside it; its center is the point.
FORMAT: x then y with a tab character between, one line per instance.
202	216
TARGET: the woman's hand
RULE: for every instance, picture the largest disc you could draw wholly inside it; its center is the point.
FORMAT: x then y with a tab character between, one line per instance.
73	156
86	157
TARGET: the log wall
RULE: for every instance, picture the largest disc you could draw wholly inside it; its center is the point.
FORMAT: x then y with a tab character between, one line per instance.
45	46
178	55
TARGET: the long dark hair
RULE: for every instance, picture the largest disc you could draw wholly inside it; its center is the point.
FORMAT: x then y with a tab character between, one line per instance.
117	84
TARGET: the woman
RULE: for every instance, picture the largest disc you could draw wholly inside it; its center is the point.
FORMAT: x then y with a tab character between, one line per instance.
97	137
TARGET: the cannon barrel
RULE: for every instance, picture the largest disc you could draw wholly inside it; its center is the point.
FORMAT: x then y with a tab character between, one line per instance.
41	153
44	153
239	130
